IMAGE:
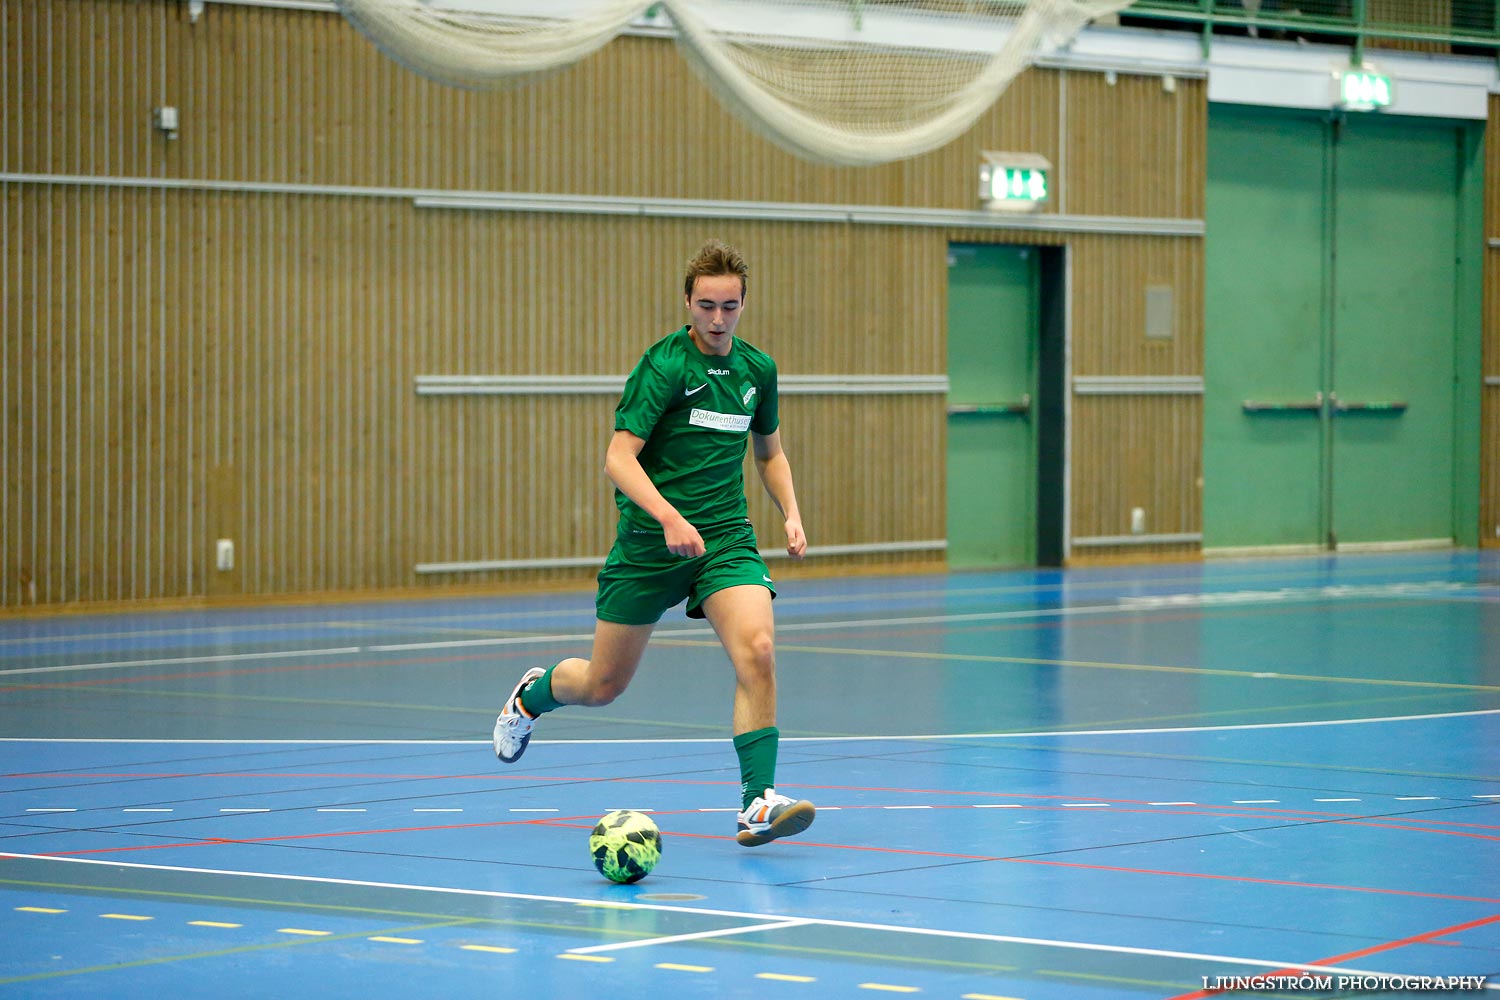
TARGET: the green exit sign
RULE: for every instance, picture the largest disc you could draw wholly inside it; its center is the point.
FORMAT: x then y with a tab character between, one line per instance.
1014	181
1361	90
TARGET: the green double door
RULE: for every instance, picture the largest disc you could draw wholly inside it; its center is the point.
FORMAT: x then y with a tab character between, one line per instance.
993	348
1338	316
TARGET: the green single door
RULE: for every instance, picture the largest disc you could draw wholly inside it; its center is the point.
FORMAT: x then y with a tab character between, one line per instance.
1395	287
1265	316
992	377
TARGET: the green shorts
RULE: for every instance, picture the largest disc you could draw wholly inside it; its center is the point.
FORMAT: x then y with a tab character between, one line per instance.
641	579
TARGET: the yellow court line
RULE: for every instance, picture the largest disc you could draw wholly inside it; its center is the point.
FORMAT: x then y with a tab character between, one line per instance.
1139	721
684	968
440	919
213	923
38	909
495	949
1152	984
586	958
986	996
124	916
888	988
304	933
394	940
1143	667
219	953
346	703
782	978
1193	758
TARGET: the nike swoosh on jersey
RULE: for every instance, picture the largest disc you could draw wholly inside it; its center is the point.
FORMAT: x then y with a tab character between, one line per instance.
689	392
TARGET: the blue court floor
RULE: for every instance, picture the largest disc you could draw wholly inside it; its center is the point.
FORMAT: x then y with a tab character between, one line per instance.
1119	782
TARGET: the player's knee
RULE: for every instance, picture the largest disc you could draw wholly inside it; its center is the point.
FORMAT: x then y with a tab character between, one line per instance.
602	690
760	654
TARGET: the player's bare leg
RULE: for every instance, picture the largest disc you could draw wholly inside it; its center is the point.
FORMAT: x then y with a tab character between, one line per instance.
746	627
598	680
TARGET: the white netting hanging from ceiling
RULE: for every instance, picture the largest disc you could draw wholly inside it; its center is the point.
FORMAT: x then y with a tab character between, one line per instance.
852	82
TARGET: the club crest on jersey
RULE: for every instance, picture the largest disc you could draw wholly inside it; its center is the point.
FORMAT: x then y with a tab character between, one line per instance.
747	393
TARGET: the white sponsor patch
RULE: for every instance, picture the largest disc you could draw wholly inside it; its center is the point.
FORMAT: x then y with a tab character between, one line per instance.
737	422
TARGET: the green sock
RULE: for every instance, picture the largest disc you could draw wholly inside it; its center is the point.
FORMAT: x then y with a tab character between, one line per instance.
537	698
757	753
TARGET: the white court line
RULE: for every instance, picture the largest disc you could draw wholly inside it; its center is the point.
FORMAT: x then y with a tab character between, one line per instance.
1126	605
725	932
583	637
784	739
848	623
899	597
729	914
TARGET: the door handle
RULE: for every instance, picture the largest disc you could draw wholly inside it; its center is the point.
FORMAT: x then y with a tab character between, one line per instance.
1367	406
1019	407
1314	405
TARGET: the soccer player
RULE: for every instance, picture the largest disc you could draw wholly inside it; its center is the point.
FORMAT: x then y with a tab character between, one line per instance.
677	462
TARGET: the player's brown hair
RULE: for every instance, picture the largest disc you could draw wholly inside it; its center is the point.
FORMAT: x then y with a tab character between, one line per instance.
715	258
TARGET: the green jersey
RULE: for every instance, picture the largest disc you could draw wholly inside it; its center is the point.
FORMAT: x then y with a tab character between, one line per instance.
695	411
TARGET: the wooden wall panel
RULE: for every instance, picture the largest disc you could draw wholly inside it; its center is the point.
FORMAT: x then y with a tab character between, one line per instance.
1430	15
1146	450
1136	451
295	96
1110	278
1136	146
185	364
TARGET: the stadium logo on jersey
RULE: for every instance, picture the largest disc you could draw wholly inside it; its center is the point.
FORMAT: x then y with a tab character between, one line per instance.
718	371
737	422
747	393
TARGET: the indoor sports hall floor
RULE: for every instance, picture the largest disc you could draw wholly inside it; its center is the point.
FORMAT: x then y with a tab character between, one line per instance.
1093	783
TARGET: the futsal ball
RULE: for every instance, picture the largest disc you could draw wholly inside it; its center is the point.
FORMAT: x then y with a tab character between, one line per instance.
626	845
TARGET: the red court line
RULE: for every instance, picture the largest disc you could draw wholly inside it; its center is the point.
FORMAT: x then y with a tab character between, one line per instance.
226	841
1230	810
511	654
1302	816
1349	956
1250	880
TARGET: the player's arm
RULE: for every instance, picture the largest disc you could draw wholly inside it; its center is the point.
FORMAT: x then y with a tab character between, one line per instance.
622	464
776	475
